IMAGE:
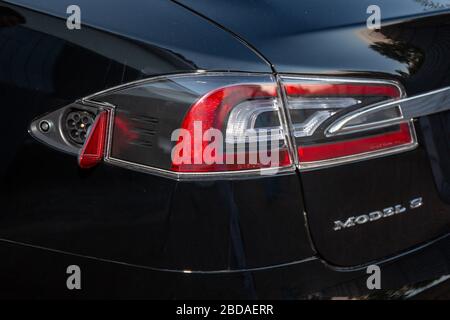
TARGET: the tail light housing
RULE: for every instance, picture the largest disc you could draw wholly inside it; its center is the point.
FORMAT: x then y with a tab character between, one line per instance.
220	125
335	121
198	126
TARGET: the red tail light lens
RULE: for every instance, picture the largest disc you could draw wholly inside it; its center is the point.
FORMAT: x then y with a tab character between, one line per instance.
233	111
340	149
93	150
336	121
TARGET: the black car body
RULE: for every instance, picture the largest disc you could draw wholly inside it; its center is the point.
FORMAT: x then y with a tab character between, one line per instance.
137	233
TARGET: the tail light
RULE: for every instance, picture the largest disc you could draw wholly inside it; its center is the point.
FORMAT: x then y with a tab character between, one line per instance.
198	125
232	125
335	121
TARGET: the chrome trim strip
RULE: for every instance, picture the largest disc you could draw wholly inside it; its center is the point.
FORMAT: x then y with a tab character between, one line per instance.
186	176
286	122
414	107
338	127
425	104
342	80
171	75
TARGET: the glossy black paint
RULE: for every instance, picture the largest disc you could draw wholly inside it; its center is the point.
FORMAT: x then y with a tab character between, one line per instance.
121	216
361	188
117	214
412	48
156	37
317	37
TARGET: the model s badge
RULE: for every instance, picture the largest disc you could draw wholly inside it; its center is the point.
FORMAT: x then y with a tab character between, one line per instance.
377	215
